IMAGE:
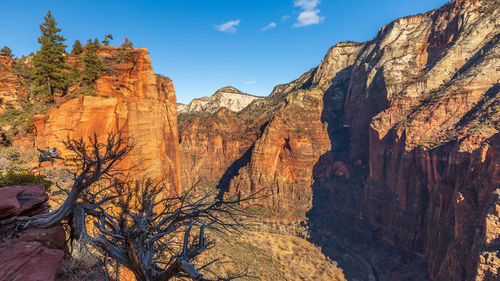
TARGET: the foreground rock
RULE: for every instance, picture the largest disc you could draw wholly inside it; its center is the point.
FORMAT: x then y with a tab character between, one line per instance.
34	254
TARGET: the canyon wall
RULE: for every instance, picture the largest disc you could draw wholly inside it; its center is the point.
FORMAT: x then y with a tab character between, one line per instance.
11	85
129	97
394	140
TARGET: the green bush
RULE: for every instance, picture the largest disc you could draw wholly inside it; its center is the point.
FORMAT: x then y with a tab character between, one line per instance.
22	178
14	159
20	119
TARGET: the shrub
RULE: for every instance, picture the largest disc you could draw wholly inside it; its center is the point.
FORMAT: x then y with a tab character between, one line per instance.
22	178
6	51
20	119
127	43
15	160
81	264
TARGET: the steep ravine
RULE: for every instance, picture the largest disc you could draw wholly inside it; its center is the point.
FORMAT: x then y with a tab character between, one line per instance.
389	148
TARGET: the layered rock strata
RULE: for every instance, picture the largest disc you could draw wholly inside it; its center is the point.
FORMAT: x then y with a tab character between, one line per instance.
395	139
11	85
128	97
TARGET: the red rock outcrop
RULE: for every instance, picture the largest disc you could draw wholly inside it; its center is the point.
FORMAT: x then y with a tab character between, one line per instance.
11	85
33	254
211	144
17	200
131	98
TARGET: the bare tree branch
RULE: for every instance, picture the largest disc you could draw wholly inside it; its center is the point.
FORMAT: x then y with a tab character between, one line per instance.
91	162
153	234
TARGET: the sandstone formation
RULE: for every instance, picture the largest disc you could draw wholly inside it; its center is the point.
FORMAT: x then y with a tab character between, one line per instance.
210	145
394	140
226	97
131	98
33	254
11	85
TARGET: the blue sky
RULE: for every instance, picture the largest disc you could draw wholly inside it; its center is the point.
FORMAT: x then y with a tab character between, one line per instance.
204	45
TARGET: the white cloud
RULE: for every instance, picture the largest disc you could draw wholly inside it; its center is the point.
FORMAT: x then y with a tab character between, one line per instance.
306	4
285	18
251	82
309	14
306	18
269	26
229	26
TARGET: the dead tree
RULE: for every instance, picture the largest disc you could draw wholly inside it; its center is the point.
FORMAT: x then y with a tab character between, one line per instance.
152	232
92	161
139	224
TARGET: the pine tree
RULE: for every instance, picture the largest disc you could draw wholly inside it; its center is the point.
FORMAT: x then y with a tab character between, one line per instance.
107	39
6	51
48	63
96	42
77	48
127	43
92	63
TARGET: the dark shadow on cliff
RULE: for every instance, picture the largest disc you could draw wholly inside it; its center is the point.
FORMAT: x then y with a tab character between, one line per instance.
336	219
233	170
491	93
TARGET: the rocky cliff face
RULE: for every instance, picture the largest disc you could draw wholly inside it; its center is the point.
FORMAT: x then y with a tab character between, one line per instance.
131	98
211	144
11	85
425	124
227	97
395	139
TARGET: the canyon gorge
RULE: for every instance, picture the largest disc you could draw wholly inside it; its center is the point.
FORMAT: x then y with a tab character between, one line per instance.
393	140
388	150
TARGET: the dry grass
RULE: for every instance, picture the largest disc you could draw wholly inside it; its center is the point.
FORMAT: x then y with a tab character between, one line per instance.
82	264
272	256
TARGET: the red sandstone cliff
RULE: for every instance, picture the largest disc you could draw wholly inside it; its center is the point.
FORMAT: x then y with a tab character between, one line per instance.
129	97
11	85
399	133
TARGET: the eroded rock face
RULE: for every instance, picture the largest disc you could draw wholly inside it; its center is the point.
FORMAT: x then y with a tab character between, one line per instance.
421	124
210	145
131	98
11	85
33	254
398	134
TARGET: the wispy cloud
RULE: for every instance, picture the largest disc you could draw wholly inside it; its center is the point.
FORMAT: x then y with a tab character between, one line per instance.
285	18
269	26
309	14
306	4
229	26
251	82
